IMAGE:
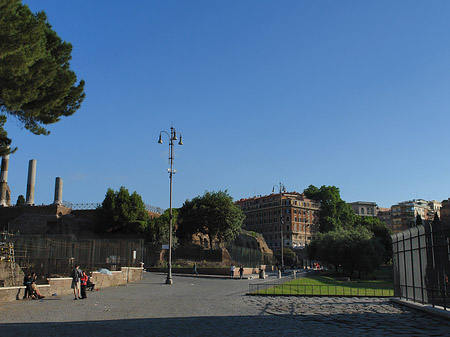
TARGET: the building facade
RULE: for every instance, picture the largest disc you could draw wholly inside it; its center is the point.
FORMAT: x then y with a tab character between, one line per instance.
290	214
404	213
445	210
364	208
385	214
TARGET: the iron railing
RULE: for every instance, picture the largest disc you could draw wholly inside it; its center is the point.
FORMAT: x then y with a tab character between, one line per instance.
318	290
421	262
96	205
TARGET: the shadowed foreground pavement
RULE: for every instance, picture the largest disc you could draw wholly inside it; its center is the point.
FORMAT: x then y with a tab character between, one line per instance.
205	307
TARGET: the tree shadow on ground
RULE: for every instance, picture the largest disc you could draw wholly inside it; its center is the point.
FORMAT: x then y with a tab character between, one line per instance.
279	324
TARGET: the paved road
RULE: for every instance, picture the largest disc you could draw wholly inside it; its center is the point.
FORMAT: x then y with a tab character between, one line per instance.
206	307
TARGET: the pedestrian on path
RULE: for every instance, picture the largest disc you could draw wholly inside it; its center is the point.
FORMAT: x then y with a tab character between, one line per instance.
232	269
194	269
76	275
241	272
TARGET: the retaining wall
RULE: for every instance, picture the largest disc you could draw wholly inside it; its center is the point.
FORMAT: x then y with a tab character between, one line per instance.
61	286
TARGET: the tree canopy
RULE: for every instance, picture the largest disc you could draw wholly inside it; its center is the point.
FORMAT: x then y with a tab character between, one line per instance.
334	212
354	249
122	213
214	214
353	242
157	231
37	86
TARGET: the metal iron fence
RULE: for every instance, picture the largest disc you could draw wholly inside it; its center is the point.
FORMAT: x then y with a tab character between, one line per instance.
318	290
49	256
421	261
249	257
96	205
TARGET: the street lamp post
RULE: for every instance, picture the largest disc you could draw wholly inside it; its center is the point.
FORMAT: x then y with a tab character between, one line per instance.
282	189
172	136
306	247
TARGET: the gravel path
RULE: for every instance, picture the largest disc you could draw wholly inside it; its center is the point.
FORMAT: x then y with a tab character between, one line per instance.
205	307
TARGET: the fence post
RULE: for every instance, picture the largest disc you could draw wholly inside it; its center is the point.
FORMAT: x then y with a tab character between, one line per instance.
412	264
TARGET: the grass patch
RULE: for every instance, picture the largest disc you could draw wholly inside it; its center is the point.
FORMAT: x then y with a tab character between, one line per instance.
327	285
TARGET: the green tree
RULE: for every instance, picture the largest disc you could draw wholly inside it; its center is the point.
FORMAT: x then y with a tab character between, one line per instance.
381	232
37	86
122	213
334	212
354	249
157	231
20	200
289	256
214	214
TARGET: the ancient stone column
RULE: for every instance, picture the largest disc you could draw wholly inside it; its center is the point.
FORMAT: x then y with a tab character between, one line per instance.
4	180
58	191
31	181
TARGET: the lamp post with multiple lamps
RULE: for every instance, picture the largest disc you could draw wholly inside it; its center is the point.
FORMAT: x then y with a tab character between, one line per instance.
172	137
282	190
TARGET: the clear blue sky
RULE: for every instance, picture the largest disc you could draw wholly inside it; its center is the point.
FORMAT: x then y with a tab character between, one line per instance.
354	94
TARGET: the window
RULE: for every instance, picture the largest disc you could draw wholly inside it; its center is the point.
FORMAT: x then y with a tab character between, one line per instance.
362	210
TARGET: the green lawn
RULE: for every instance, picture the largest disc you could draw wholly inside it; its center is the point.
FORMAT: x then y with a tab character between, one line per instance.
326	285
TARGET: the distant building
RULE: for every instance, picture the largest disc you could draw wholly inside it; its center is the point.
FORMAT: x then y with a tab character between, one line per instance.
404	213
385	215
300	217
364	208
445	210
435	208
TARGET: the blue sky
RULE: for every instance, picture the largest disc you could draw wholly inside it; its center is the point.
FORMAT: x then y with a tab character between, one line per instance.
347	93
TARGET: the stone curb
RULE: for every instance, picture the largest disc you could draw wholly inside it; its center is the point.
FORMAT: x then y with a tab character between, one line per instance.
422	307
211	276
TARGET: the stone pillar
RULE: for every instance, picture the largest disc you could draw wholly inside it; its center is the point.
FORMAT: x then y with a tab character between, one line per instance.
31	181
58	191
4	180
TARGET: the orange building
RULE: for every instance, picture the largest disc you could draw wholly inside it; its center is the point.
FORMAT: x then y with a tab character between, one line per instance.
293	215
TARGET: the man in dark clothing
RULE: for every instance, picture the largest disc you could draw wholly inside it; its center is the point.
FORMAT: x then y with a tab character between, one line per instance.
27	283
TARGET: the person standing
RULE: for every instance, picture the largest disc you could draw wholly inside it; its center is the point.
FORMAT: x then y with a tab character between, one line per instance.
232	269
76	275
83	281
194	269
241	272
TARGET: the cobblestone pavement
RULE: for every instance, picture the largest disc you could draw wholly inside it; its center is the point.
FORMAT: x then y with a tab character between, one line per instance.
205	307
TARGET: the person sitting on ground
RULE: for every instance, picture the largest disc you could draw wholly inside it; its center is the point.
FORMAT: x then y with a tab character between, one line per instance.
90	285
36	291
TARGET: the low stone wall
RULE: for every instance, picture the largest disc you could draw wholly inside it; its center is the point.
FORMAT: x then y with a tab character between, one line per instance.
206	271
61	286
